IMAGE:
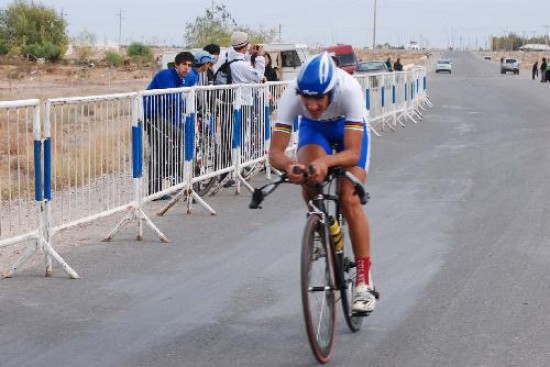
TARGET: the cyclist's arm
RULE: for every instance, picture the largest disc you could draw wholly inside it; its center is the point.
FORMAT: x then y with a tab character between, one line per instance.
288	110
278	158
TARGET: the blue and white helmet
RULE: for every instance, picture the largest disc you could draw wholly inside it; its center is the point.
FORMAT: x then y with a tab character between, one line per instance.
317	76
202	57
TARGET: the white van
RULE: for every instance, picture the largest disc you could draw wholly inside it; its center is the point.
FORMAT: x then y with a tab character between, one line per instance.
287	58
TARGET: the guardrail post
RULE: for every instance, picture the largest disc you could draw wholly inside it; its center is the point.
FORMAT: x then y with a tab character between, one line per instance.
42	196
136	210
267	131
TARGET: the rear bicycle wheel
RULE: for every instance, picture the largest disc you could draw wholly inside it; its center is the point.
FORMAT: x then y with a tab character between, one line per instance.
348	271
318	298
354	322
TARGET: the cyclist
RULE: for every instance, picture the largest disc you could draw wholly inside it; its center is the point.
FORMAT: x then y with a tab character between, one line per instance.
328	103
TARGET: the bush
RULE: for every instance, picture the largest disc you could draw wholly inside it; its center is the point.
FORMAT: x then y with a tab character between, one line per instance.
45	50
113	58
4	48
140	53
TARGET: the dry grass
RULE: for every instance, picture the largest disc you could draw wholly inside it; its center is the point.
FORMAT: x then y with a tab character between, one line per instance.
102	147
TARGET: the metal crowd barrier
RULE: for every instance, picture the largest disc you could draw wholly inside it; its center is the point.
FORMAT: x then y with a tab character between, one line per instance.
91	157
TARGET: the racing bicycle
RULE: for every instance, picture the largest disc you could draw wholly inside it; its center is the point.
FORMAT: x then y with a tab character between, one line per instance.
327	274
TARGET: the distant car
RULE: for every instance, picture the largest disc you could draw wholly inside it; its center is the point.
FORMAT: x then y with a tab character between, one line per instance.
487	57
444	65
509	64
371	67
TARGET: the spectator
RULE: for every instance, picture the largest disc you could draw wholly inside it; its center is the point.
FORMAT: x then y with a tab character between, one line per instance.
242	72
543	70
163	119
535	69
214	50
201	66
270	73
397	66
388	64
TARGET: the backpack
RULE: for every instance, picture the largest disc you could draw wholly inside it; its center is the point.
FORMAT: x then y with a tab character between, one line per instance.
223	77
223	74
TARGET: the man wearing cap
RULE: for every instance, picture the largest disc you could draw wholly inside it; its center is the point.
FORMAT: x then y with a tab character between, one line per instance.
243	72
201	65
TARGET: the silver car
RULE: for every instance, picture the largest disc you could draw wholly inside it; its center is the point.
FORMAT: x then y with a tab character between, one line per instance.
444	65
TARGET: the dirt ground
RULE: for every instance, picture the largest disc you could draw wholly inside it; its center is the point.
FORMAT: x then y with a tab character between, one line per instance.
29	80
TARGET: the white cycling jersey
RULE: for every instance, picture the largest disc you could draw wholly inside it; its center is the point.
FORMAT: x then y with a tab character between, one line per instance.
347	102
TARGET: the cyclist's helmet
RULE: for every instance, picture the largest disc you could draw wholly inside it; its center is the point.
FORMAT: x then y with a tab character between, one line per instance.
317	77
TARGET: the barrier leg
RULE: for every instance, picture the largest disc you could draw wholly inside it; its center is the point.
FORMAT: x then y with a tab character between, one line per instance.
136	212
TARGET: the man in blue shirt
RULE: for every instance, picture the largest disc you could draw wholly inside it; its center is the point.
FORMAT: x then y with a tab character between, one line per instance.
164	116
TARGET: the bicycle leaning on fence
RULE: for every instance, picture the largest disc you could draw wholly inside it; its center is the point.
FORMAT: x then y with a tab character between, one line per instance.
327	274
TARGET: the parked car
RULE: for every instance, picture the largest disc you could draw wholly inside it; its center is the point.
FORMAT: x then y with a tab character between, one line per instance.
509	64
371	67
444	65
345	57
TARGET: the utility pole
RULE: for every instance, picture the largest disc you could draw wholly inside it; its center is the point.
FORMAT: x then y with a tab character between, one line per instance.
374	33
546	33
119	29
280	32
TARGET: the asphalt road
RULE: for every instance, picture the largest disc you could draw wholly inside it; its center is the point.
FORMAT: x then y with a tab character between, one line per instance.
461	252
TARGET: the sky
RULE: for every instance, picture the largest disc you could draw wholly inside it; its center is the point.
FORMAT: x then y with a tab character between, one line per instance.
431	23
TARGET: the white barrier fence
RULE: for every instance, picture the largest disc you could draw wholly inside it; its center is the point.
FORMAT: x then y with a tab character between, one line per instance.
86	158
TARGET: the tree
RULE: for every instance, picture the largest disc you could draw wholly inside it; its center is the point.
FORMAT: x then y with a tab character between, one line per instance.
217	25
260	35
214	27
84	45
23	24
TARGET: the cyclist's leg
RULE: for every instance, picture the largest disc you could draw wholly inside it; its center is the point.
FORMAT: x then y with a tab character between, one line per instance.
312	144
364	300
359	231
355	215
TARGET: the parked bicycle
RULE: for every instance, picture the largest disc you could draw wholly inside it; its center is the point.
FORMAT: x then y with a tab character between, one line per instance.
327	274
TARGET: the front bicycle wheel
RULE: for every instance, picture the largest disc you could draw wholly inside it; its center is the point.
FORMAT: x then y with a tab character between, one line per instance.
318	298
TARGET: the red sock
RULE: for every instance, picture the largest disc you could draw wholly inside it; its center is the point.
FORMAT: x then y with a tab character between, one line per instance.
362	267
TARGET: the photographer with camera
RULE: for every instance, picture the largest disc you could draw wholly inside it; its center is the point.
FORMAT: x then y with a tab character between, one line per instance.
242	72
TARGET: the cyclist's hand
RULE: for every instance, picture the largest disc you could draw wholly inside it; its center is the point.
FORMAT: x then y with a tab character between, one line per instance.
318	170
295	173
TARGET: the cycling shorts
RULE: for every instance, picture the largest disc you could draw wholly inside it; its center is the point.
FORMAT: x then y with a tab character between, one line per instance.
330	133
